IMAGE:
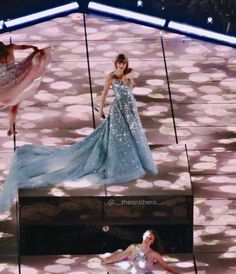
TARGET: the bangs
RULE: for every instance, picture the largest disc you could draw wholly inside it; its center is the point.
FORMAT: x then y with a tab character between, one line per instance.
121	61
121	58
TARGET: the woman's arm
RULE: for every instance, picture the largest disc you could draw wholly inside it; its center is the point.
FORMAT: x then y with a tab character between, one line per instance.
159	259
119	255
104	94
24	47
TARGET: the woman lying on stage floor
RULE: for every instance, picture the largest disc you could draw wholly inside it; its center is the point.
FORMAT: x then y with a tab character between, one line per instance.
19	81
142	256
115	152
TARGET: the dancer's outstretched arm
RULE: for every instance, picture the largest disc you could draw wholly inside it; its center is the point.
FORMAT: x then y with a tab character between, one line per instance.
22	47
119	255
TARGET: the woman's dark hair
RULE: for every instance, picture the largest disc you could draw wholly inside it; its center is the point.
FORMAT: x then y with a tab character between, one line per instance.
3	50
157	245
121	58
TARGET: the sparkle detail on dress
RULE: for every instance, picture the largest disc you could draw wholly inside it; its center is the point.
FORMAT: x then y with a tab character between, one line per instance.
140	264
115	152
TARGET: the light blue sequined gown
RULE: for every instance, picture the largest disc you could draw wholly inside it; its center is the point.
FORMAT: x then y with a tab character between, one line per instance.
117	151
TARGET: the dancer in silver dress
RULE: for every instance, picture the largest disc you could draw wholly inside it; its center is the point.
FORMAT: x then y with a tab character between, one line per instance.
19	81
141	256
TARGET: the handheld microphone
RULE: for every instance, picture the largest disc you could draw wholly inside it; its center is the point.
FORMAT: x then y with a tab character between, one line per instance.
103	116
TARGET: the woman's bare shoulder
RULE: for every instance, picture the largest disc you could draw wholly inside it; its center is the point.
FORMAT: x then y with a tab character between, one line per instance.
131	248
110	77
156	255
10	49
10	46
130	73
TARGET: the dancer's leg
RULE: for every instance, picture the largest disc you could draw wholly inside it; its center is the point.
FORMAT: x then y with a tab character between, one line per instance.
12	119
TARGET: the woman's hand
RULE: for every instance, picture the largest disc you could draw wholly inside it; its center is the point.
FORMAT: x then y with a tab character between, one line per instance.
35	48
101	114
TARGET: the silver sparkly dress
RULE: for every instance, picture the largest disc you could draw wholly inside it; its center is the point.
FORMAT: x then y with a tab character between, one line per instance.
21	80
115	152
140	264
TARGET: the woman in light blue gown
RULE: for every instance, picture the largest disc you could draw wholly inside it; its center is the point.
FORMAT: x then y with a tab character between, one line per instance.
115	152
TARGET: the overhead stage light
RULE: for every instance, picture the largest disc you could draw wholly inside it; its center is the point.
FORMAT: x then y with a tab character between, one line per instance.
210	20
42	14
136	16
202	33
139	3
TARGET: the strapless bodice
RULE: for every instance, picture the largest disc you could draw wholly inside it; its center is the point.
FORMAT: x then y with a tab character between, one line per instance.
122	89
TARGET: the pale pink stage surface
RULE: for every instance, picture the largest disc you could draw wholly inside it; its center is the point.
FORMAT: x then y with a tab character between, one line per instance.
202	163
